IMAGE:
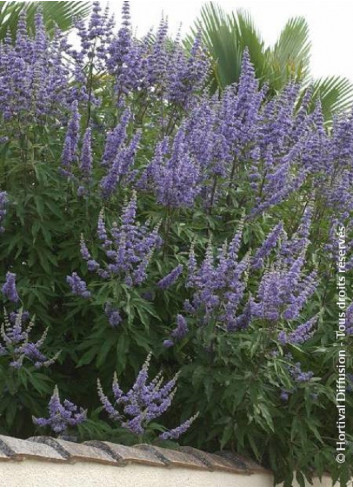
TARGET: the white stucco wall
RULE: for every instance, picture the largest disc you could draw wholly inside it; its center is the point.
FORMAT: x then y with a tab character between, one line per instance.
35	473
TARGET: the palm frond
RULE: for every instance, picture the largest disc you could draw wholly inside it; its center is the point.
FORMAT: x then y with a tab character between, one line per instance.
289	58
249	37
225	37
61	14
335	94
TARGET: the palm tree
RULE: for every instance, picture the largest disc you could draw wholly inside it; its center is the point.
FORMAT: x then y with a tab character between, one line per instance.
226	36
61	14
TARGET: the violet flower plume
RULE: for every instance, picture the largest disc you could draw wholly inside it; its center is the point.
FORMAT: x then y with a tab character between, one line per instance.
299	375
267	246
175	433
61	415
3	205
16	343
9	288
171	278
300	335
218	284
178	333
128	246
112	314
70	149
86	162
349	319
78	286
144	402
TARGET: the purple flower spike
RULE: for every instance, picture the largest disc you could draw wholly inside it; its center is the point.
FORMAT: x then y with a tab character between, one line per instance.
284	396
113	315
128	247
78	286
86	162
266	248
9	288
69	154
144	402
175	433
299	375
300	335
3	204
17	346
171	278
61	415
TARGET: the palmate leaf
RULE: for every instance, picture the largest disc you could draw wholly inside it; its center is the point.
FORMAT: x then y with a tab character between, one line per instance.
61	14
248	36
225	37
335	93
289	58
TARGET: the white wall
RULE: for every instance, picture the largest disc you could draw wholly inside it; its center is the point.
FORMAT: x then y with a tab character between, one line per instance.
34	473
38	473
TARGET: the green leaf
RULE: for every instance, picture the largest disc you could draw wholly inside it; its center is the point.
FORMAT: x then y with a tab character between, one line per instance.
61	14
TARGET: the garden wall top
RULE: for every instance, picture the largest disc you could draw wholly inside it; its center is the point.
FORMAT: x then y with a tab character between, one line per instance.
56	450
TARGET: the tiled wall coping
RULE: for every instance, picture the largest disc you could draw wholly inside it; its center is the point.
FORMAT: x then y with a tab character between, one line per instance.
44	462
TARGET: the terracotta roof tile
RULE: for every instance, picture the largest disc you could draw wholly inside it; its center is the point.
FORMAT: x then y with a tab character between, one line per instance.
103	452
3	455
174	458
21	449
76	451
215	462
240	459
124	455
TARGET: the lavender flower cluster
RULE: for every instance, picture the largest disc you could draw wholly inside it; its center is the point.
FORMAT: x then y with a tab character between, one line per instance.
78	286
153	67
175	180
300	335
219	285
119	157
178	333
299	377
3	205
283	292
275	147
144	402
34	78
9	289
117	160
128	249
15	332
284	289
16	344
171	278
62	416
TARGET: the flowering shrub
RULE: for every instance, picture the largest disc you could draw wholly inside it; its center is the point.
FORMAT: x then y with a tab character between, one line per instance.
143	403
140	214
